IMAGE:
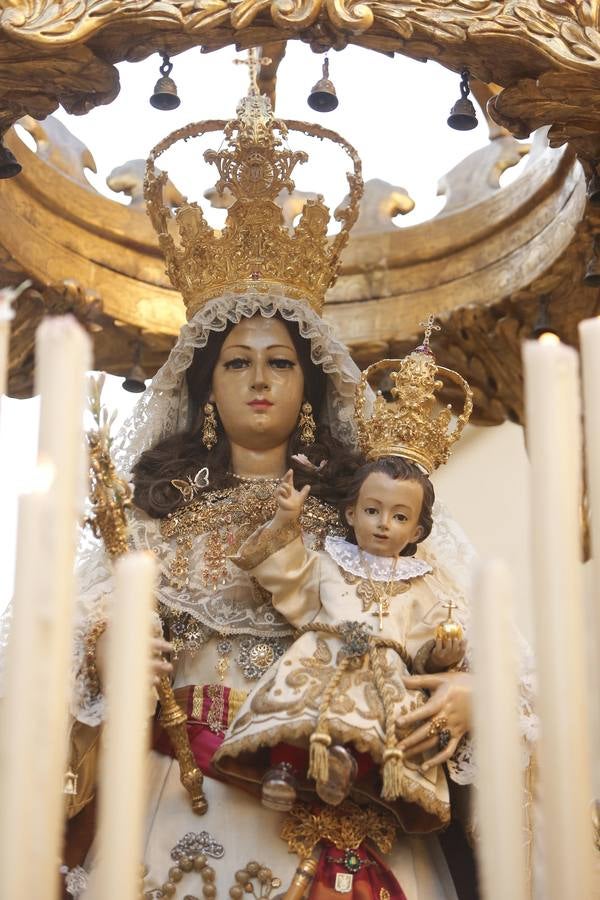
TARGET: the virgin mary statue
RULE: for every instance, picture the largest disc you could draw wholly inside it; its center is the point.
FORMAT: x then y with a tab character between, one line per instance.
256	384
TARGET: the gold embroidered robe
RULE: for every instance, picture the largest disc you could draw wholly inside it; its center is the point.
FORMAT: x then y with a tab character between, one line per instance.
311	588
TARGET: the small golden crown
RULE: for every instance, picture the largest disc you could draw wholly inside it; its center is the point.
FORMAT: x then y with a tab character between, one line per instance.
407	424
255	248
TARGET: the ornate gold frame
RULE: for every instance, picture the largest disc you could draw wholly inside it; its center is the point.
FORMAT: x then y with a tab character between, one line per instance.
481	265
545	53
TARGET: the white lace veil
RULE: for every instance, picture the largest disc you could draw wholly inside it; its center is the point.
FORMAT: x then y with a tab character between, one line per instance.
163	410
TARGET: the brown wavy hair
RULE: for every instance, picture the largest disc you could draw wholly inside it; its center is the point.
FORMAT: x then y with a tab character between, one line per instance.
353	473
184	453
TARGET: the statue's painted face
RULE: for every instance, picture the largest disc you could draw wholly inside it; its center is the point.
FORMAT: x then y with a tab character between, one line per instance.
258	384
386	514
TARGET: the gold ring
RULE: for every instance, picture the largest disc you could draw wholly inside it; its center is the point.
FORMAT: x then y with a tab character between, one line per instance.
438	724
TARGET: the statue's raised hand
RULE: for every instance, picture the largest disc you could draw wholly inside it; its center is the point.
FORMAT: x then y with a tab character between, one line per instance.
289	500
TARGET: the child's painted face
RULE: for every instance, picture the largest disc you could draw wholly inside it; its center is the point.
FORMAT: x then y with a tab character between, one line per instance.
386	514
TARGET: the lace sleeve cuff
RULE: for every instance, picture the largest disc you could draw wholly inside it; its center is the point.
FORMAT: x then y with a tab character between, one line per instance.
264	543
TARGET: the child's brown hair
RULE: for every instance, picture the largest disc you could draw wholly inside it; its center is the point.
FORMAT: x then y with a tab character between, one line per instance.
349	486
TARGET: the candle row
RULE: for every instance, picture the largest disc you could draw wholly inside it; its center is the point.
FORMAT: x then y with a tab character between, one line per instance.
34	723
33	749
562	856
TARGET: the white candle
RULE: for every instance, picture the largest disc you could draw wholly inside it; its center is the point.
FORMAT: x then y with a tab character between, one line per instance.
554	444
63	356
500	795
123	767
589	338
23	698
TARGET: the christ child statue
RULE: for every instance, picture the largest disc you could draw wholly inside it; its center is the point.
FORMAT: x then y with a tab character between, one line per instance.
367	613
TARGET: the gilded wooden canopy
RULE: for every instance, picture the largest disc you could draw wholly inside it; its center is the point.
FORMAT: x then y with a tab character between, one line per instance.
486	265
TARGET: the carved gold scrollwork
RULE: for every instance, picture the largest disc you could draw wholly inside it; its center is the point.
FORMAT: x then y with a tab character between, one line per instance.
569	100
510	42
295	14
350	16
245	13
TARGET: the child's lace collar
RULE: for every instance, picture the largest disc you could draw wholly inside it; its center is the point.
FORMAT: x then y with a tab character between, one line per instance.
348	556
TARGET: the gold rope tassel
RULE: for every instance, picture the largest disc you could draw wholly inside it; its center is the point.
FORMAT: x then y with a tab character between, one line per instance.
393	766
393	773
318	759
320	740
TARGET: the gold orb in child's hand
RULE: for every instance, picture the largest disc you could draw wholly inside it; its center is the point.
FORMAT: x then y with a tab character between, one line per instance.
449	630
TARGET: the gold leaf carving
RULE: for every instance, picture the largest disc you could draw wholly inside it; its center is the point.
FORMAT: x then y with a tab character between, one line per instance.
537	22
246	12
350	16
586	12
295	14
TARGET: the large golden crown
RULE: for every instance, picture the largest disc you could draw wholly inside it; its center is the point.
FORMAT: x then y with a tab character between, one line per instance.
255	249
407	423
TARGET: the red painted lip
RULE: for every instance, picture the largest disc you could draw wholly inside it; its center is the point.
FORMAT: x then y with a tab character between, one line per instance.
260	404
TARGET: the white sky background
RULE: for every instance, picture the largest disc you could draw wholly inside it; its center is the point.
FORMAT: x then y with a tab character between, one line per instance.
393	111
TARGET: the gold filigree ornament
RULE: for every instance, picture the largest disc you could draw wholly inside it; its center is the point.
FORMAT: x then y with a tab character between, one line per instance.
255	250
345	826
110	495
228	516
405	421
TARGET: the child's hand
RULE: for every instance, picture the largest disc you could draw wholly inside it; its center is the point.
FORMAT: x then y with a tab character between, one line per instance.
445	654
289	500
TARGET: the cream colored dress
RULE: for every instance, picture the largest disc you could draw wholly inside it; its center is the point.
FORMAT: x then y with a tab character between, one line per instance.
318	591
236	827
240	828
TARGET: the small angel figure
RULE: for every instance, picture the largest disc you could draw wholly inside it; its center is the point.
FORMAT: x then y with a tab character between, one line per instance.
367	613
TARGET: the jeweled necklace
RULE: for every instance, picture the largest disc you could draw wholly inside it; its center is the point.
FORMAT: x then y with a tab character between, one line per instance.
249	479
381	596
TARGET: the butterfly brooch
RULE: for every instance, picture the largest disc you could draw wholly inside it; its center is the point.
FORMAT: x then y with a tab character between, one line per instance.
189	487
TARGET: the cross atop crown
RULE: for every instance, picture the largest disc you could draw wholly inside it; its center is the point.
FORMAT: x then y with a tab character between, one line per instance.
430	325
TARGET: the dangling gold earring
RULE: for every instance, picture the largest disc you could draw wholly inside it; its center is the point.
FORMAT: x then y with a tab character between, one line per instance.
307	424
209	426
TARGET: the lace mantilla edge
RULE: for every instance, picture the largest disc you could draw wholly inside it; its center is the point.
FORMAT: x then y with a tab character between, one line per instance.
163	408
351	559
462	768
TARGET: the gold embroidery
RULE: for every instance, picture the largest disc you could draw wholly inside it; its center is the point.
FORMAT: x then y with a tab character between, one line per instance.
348	577
264	543
216	710
227	517
368	595
346	827
215	715
309	679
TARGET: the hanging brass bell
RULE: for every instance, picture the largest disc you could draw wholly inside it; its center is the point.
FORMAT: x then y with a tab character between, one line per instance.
593	190
135	382
592	273
165	96
322	97
462	115
9	167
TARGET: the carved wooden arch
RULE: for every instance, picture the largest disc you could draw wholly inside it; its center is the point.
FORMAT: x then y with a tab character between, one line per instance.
545	53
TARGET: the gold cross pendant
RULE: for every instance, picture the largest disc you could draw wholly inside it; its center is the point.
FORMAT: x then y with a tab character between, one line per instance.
383	609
